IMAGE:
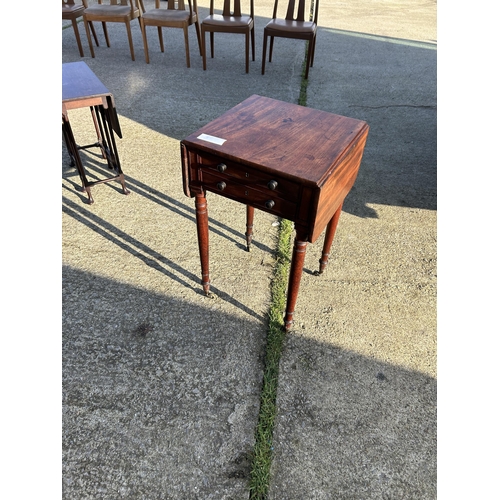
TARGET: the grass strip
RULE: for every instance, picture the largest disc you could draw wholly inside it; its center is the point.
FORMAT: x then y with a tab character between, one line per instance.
263	450
303	84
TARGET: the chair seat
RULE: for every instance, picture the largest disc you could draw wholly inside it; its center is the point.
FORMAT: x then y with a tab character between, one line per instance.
69	11
230	20
72	11
179	14
293	25
297	26
166	15
109	10
234	22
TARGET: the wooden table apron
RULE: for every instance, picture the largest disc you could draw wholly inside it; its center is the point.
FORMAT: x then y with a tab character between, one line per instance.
81	89
288	160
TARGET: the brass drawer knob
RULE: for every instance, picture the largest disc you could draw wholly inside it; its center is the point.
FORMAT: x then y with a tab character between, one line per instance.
221	185
221	167
269	204
272	185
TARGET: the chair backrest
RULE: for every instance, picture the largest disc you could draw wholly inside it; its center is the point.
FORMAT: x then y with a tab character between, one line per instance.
134	4
177	5
115	2
234	10
72	2
298	14
171	4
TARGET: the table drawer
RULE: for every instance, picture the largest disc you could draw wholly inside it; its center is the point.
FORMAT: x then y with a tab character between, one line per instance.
267	183
266	200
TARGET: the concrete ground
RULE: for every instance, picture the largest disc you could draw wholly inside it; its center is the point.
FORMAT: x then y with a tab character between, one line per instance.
161	384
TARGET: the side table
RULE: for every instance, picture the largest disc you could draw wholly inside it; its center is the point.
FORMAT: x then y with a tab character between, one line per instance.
80	89
291	161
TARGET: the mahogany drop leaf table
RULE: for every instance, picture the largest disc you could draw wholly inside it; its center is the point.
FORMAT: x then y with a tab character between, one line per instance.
288	160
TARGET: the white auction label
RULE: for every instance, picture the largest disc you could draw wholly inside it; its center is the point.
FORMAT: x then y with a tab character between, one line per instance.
212	139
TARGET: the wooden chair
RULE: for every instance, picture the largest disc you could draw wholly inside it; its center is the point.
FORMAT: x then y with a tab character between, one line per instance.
174	15
71	12
292	26
113	11
229	22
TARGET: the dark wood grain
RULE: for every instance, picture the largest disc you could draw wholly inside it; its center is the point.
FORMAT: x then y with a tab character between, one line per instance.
298	142
329	235
249	231
202	227
298	257
294	162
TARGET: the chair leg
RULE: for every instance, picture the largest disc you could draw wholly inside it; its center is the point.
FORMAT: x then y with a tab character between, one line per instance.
89	37
144	40
247	50
160	38
212	44
271	45
203	48
252	34
94	33
105	29
198	35
310	49
130	42
77	36
186	42
313	49
264	48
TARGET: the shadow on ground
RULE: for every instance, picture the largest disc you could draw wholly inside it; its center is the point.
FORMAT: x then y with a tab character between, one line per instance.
399	164
160	399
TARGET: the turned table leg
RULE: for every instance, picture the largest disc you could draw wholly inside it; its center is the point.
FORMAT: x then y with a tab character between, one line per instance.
249	233
330	233
202	229
75	156
298	256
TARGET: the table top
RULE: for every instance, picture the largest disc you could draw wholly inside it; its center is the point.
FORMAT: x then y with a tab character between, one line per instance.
79	81
297	142
292	161
81	88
